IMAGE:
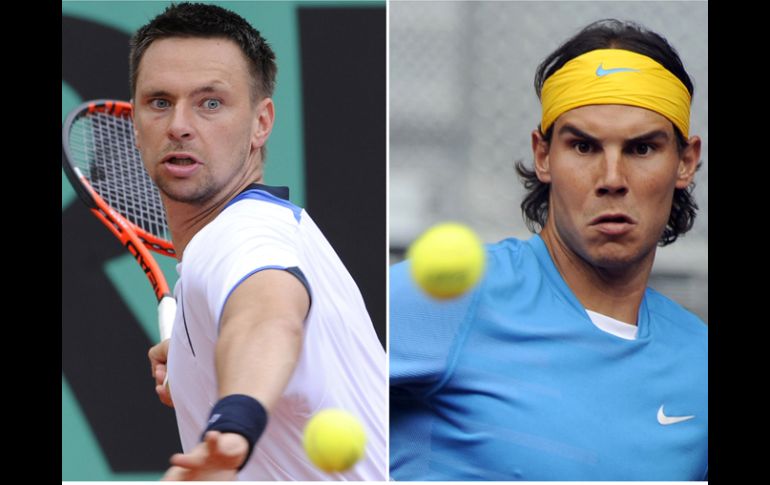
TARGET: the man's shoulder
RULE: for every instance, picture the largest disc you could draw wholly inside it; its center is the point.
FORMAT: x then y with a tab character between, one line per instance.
499	255
513	257
259	205
247	224
508	248
678	318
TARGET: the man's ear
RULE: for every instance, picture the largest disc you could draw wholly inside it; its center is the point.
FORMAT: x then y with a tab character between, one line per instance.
133	123
265	114
688	163
540	150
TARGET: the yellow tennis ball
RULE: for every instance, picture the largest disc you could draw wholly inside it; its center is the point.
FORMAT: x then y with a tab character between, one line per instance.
447	260
334	440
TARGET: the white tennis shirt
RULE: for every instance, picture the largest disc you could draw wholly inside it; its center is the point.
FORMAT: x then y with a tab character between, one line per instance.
342	364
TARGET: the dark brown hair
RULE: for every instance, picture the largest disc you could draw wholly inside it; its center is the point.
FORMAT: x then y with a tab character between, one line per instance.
609	34
208	21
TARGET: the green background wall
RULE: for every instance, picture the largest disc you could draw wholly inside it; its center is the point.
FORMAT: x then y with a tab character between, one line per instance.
82	456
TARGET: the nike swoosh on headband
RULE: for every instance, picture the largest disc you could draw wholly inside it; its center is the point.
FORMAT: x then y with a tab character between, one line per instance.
600	71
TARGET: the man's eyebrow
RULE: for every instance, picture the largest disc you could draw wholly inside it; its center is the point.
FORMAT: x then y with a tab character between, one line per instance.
208	88
569	129
158	93
653	135
650	136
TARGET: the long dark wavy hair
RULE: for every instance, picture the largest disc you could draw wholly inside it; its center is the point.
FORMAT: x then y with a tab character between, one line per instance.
610	34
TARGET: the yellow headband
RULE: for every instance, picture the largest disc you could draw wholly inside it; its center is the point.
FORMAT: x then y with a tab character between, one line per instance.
615	76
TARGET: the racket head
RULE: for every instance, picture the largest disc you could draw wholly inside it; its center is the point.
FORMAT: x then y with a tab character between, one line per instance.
106	170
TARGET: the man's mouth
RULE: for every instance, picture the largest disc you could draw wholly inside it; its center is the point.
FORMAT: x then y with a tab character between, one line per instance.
180	158
613	224
181	164
180	161
613	218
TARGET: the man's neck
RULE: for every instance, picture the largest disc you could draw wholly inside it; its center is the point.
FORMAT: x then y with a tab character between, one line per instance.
616	293
185	220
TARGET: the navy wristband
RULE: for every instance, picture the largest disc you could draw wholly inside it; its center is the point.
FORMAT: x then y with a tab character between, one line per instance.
238	413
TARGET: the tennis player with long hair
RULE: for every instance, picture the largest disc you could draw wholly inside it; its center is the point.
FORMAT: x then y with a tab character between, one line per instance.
562	364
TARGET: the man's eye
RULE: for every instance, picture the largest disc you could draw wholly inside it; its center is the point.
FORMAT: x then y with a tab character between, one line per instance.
159	103
582	147
642	149
212	103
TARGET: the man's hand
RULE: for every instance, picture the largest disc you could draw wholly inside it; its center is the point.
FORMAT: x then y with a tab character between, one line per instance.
217	458
158	355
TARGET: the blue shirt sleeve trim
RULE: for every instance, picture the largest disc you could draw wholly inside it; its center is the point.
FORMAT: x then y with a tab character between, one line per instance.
302	279
293	270
265	196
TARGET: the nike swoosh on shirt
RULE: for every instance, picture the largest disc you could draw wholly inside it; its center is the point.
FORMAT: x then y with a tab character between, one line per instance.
600	71
666	420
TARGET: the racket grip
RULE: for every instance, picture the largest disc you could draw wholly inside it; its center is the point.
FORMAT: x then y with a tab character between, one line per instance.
166	315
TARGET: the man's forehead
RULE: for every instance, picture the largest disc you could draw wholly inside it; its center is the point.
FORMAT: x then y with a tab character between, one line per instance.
204	61
159	89
615	119
192	52
190	42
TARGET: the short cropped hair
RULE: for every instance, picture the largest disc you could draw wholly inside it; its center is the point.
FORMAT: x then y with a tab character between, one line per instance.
208	21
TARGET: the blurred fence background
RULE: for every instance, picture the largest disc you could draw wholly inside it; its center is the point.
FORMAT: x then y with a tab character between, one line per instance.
462	106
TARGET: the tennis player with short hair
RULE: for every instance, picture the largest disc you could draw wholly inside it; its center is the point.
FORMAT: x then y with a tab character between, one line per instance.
562	364
270	326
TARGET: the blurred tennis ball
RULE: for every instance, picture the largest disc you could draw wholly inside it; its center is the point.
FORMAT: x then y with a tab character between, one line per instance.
447	260
334	440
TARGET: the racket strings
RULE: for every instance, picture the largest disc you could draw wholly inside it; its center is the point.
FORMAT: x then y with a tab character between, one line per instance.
104	149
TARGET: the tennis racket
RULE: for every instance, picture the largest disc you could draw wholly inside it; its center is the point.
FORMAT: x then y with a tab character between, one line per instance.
104	167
